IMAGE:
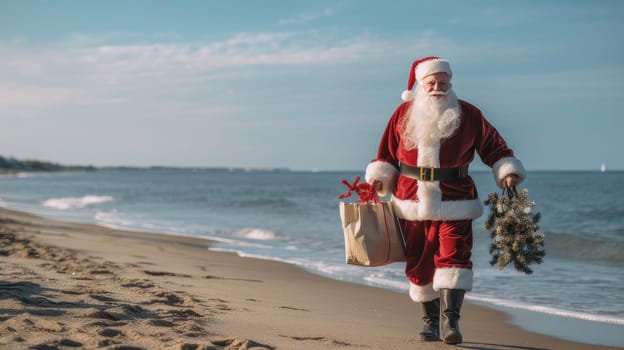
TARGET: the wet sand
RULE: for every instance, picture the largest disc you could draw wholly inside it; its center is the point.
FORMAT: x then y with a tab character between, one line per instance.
69	285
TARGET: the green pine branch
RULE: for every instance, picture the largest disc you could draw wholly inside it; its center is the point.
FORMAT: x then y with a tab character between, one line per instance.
514	231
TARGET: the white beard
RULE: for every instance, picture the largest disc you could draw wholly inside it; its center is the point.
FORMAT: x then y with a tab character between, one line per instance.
430	119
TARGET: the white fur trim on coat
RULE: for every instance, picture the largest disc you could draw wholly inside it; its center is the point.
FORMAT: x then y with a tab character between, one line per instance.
445	210
384	172
507	166
423	294
452	278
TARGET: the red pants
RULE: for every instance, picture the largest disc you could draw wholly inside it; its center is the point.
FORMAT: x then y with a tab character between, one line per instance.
436	244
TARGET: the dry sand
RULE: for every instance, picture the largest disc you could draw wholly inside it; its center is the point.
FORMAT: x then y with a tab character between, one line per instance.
70	286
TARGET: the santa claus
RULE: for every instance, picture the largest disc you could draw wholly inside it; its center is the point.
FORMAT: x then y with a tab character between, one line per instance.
422	161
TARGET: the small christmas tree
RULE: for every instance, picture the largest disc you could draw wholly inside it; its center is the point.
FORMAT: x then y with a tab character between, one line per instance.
514	231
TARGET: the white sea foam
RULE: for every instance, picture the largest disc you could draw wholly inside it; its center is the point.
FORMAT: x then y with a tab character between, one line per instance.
546	310
243	254
24	175
66	203
112	219
382	281
325	268
257	233
234	244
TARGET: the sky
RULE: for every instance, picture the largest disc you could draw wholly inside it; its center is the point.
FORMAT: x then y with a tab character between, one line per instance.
306	85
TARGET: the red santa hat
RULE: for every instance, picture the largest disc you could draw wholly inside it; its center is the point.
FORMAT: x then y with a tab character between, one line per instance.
423	67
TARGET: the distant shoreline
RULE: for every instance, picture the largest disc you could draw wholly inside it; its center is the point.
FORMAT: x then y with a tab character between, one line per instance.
8	171
9	166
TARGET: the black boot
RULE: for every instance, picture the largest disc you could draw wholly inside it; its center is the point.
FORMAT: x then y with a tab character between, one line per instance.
450	306
431	321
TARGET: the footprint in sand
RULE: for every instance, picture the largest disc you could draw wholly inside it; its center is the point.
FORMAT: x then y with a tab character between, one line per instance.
136	283
161	323
240	344
109	332
164	273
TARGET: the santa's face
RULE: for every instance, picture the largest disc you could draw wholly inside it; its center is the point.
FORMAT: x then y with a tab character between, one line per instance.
436	84
434	114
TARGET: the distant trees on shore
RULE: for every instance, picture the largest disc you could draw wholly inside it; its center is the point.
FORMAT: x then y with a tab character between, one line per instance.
9	165
12	166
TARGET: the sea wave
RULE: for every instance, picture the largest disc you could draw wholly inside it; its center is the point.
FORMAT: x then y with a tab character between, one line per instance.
66	203
584	248
112	219
546	310
384	282
257	234
274	203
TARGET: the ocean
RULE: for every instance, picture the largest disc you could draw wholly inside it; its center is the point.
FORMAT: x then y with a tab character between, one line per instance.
292	217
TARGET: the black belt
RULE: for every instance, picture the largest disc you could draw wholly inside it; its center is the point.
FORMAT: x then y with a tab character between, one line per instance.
434	174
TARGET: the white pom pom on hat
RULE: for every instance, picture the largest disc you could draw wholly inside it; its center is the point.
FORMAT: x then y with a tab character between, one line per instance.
407	95
422	68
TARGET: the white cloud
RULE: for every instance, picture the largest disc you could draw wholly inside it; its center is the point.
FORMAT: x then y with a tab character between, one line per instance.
26	99
310	16
85	71
95	73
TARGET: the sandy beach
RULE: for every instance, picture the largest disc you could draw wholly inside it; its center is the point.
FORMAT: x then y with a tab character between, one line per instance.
69	285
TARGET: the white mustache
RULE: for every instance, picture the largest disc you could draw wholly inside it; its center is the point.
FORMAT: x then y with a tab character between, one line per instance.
438	93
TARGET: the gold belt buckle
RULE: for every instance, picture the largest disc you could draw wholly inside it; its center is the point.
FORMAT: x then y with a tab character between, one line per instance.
423	174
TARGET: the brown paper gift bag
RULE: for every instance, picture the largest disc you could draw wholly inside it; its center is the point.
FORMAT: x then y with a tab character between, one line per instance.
371	231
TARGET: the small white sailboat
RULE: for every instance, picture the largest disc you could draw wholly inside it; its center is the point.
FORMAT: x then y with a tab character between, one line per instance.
603	168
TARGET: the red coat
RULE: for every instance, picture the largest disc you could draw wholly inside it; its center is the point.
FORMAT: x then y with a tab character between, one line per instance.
446	200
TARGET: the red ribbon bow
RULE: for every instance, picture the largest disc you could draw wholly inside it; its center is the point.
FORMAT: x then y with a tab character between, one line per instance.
364	190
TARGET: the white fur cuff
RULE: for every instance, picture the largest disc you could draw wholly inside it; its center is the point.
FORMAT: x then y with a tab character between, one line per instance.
423	294
452	278
506	166
384	172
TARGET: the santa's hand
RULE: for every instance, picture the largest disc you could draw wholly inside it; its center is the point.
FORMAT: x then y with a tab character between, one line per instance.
510	181
377	185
